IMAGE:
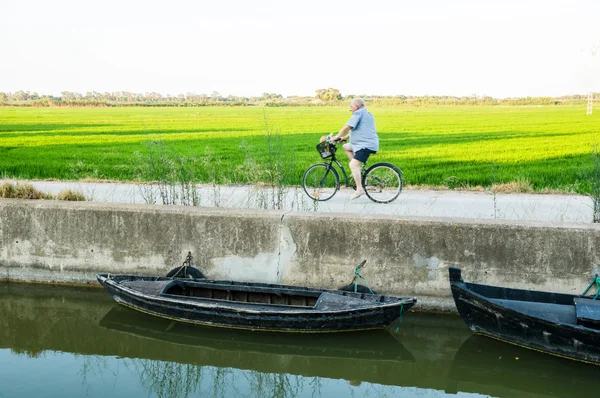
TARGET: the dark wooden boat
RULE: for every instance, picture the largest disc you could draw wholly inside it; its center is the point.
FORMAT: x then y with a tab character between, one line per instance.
559	324
255	306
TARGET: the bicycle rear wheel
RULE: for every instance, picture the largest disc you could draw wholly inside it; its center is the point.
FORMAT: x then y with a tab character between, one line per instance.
383	182
321	182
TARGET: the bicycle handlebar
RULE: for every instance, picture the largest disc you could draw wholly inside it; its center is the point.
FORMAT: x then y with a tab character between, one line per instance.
330	141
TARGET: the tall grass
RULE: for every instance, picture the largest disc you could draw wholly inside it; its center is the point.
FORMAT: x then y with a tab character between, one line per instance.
279	162
594	182
268	162
172	176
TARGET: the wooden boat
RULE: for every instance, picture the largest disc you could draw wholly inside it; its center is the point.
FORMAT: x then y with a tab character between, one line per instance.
559	324
255	306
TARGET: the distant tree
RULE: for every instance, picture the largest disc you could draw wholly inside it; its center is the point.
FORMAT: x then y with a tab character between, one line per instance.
328	94
153	97
3	97
20	96
271	96
235	98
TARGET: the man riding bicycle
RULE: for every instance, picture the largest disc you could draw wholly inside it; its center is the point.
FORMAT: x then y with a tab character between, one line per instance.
364	140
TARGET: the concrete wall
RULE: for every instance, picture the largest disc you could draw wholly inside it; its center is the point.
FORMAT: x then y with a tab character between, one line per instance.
70	242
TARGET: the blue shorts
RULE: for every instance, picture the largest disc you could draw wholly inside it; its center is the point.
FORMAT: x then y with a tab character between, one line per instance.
363	154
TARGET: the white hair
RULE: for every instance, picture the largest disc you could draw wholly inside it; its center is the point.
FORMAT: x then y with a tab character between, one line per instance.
358	102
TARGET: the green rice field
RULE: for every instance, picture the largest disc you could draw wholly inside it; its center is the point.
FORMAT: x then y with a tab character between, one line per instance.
548	147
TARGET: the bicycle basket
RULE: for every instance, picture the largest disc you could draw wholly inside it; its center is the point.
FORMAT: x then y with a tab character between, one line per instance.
326	150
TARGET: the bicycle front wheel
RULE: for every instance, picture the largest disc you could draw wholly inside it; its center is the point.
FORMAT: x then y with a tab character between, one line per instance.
321	182
383	182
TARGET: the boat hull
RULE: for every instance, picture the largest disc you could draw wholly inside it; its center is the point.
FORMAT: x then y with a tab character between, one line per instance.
540	321
256	317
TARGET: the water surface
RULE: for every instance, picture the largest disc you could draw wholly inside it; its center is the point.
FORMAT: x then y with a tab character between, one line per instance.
75	342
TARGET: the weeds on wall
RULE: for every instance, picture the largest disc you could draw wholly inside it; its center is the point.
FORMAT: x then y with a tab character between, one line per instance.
268	176
213	166
173	175
279	164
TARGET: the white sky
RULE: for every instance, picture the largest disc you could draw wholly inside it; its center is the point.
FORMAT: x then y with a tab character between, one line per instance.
427	47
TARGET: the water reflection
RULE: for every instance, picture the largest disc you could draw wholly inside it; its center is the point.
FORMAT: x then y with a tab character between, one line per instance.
273	358
488	366
77	343
222	347
168	379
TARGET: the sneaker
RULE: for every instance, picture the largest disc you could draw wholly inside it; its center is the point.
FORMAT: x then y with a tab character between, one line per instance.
357	195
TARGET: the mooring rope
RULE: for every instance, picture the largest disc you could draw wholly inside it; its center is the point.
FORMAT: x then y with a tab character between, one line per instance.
358	276
596	282
401	311
186	263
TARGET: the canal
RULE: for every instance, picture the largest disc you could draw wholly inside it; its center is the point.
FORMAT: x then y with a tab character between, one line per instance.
76	342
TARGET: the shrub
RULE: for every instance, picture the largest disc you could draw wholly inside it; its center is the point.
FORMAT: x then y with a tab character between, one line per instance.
28	191
21	190
71	195
7	190
520	185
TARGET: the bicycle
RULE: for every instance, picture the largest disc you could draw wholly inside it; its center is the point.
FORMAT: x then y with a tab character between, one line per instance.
382	181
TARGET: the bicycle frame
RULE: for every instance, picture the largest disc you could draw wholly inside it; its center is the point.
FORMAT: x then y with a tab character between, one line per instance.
375	184
335	160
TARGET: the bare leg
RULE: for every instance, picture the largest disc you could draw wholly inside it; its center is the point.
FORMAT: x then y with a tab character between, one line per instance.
348	150
355	167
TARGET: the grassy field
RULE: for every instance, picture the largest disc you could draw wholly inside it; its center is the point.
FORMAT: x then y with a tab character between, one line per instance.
548	147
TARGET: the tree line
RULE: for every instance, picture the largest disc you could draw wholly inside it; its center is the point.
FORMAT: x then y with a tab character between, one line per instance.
322	97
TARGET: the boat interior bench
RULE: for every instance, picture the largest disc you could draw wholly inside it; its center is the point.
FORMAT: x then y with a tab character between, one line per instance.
588	312
147	287
300	297
549	311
